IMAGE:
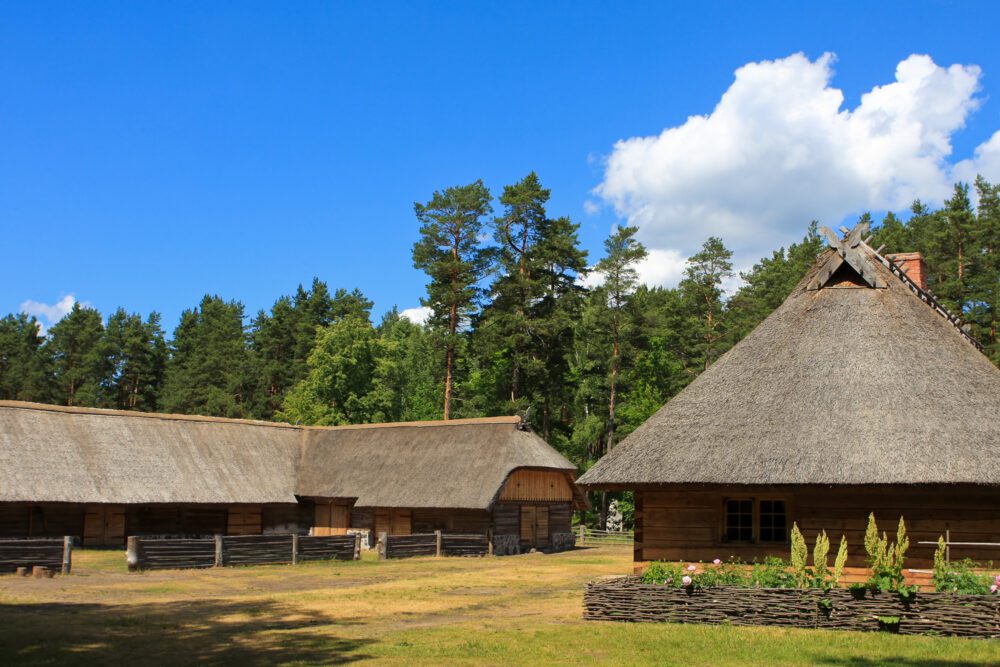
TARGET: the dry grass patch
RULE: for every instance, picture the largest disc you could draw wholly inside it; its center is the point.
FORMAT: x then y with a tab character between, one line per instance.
523	610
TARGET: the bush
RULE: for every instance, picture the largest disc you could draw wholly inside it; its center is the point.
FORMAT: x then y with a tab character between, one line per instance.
960	576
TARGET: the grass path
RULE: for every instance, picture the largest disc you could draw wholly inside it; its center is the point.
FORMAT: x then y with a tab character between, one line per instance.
521	609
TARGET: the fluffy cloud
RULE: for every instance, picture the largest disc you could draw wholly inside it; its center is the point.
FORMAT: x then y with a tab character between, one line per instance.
48	314
780	150
417	315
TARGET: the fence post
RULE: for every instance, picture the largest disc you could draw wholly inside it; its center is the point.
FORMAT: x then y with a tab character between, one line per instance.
583	533
295	548
489	541
357	546
383	546
67	554
947	545
218	551
132	555
437	543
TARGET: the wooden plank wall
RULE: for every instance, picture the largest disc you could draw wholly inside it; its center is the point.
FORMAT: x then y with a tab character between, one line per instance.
451	521
685	523
536	485
28	553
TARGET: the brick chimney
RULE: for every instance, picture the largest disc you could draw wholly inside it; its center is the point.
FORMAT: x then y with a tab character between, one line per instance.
916	267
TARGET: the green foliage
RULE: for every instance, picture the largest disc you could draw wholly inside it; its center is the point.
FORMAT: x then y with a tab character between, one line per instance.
886	559
24	361
798	559
962	576
73	345
841	561
820	551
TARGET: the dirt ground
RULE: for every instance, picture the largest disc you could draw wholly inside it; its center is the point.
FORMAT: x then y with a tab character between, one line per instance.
518	609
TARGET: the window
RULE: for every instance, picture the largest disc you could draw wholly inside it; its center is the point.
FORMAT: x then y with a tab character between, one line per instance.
773	521
754	520
739	520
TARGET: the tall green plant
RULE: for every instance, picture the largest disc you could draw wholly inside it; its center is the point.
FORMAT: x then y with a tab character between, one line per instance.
798	557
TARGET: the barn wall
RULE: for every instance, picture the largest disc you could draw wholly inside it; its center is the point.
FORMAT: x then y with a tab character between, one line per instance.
451	521
686	522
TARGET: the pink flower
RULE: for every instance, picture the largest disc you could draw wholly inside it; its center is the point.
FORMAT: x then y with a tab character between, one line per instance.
717	562
691	568
686	580
993	588
997	580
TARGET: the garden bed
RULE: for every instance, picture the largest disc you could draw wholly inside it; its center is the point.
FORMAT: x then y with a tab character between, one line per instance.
629	599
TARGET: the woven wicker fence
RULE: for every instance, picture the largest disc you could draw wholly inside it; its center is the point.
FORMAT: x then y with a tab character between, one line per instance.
628	599
163	554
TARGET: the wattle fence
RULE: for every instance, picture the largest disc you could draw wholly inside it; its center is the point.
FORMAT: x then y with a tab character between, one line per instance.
628	599
227	550
433	544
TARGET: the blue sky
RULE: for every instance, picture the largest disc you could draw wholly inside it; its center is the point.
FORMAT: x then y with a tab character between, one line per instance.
154	152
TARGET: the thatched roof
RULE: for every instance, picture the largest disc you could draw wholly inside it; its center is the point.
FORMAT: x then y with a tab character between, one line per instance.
59	454
845	384
54	454
437	464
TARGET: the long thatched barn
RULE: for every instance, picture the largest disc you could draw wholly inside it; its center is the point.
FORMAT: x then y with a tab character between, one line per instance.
104	475
859	394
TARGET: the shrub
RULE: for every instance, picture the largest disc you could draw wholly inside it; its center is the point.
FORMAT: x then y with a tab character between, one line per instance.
960	576
772	573
733	573
663	574
886	558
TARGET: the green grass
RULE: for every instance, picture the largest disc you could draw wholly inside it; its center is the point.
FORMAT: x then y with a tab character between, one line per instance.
426	611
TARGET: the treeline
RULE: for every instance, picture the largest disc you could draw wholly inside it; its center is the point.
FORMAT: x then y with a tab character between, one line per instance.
512	328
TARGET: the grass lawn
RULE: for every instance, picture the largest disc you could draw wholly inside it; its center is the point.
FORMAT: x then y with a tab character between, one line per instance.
426	611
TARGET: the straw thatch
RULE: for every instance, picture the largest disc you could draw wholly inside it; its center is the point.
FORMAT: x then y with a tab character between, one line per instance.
58	454
847	384
442	464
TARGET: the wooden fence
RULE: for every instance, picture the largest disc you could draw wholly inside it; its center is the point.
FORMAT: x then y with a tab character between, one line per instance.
432	544
628	599
53	554
593	537
225	550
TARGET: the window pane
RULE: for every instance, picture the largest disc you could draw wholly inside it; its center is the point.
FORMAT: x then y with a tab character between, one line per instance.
773	521
739	520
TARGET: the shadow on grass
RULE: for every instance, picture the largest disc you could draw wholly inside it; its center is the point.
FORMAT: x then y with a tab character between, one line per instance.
896	661
173	633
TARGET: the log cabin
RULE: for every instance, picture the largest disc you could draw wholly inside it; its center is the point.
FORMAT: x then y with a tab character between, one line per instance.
859	394
103	475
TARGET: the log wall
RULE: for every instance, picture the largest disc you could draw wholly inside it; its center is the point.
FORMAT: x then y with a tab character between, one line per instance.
628	599
465	545
159	554
686	522
408	546
28	553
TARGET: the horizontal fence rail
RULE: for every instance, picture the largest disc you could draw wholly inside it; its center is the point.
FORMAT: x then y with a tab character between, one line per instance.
226	550
55	555
433	544
591	536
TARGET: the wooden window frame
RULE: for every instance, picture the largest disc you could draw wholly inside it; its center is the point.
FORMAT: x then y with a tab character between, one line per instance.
755	518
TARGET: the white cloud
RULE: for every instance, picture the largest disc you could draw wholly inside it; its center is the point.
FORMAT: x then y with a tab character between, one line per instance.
780	150
48	314
417	315
660	268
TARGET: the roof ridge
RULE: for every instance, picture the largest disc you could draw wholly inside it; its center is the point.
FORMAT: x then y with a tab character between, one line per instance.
108	412
889	262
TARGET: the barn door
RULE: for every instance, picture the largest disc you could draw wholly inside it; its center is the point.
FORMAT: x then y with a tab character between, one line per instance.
393	521
104	526
244	520
331	519
535	525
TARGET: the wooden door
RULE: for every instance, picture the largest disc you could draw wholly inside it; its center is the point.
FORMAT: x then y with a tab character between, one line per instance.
393	521
535	525
331	519
243	520
104	526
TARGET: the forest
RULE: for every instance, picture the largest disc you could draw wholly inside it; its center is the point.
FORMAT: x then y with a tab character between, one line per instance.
512	328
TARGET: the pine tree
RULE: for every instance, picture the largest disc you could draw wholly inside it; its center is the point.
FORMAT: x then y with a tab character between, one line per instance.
73	343
24	361
132	357
702	289
209	368
451	254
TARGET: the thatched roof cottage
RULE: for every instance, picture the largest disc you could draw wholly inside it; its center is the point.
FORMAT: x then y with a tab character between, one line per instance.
859	394
106	474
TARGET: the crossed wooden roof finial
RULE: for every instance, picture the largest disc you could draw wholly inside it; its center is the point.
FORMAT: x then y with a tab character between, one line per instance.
848	250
